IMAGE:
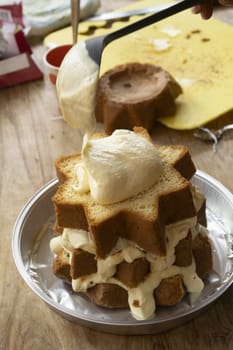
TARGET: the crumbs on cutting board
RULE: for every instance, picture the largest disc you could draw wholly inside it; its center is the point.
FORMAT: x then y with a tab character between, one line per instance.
163	44
170	30
196	31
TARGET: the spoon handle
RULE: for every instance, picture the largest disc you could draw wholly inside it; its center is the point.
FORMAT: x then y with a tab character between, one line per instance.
158	16
75	8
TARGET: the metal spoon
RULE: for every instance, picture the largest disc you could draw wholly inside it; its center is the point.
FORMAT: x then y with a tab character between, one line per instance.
95	46
75	11
213	136
221	131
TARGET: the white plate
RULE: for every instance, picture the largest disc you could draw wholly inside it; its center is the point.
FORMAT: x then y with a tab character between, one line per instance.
34	229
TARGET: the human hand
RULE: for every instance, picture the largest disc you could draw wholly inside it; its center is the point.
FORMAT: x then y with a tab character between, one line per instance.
206	8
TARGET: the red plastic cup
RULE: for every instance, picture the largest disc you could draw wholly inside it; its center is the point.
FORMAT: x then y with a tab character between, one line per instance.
52	60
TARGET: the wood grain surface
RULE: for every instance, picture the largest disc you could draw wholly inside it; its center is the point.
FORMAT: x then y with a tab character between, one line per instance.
31	138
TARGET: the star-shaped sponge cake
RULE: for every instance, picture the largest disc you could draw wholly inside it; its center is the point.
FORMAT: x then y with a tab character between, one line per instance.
141	218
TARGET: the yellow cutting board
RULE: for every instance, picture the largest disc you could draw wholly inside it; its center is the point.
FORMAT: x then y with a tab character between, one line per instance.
197	53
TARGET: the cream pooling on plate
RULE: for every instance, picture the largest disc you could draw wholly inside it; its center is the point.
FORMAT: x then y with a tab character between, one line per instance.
113	168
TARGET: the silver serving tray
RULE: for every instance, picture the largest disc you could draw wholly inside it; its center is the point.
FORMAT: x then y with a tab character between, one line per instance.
34	229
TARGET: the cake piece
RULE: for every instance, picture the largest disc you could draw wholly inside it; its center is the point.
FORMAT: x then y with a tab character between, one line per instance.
141	252
149	211
170	291
183	251
131	274
61	265
108	295
82	263
202	255
135	94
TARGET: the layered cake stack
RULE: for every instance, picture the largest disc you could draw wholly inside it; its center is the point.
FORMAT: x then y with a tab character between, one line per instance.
150	249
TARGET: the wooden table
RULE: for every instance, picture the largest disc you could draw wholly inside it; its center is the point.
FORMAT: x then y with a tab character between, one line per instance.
31	139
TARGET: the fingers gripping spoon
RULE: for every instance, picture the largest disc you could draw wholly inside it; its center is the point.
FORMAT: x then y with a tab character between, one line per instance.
95	46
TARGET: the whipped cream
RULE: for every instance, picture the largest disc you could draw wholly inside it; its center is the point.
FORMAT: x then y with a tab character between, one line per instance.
117	167
76	88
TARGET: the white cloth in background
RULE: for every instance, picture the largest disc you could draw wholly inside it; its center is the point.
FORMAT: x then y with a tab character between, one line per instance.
45	16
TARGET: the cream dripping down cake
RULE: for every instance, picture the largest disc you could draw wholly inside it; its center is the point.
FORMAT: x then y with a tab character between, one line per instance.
130	227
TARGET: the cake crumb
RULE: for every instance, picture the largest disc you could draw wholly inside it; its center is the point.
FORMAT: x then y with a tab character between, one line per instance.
136	303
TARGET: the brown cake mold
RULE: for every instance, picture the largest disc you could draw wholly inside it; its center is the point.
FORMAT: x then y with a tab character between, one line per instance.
135	94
